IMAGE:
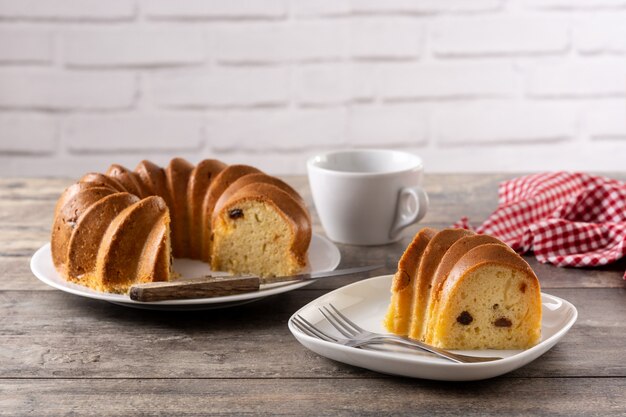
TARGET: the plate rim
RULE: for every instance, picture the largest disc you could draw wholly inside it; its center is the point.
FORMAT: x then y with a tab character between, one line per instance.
124	299
521	356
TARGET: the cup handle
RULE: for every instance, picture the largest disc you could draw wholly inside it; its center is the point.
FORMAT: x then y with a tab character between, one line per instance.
411	207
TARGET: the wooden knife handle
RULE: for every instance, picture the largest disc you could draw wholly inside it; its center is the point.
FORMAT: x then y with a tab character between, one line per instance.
197	288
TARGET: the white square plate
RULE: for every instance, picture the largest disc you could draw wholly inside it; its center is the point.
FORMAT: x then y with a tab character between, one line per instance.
365	302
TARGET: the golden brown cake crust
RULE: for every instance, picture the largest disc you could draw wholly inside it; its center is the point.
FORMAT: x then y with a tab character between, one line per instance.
120	255
71	205
153	179
102	181
410	259
488	253
435	249
84	243
290	209
199	181
154	264
397	319
144	190
223	180
127	178
177	176
258	179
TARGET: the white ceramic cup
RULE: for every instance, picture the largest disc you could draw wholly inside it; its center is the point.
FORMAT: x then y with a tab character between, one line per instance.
367	196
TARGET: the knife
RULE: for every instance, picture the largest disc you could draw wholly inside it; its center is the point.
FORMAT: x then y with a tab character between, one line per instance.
210	286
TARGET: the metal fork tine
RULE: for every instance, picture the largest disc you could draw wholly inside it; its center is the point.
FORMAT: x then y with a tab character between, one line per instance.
299	323
372	340
303	329
347	321
312	329
346	331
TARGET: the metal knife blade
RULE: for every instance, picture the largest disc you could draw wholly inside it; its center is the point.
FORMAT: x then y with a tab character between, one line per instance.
322	274
211	286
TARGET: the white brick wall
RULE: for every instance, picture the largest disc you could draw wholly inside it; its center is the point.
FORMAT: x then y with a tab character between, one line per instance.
500	35
221	87
134	47
471	85
55	90
20	46
67	10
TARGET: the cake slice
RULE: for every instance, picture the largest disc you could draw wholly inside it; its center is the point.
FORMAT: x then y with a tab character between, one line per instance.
490	300
398	316
260	229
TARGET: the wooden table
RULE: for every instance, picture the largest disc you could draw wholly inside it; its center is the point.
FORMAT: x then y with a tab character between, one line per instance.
62	354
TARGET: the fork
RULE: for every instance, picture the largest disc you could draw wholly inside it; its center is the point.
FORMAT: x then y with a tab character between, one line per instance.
356	336
351	330
381	340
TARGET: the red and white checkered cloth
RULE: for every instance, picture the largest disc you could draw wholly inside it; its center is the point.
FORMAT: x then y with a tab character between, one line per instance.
566	219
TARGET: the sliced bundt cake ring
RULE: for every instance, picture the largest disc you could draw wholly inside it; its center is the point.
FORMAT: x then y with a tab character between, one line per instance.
490	300
112	230
398	316
260	229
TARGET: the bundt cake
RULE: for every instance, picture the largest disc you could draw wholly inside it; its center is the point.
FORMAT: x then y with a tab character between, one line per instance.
467	291
123	227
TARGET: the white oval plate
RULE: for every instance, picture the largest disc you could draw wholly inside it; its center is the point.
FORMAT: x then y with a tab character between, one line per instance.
323	256
365	302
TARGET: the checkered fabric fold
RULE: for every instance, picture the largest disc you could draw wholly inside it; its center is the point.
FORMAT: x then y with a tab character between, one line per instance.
566	219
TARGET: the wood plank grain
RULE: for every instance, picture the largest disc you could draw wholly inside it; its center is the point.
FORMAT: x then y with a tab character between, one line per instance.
15	274
33	189
319	397
52	334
